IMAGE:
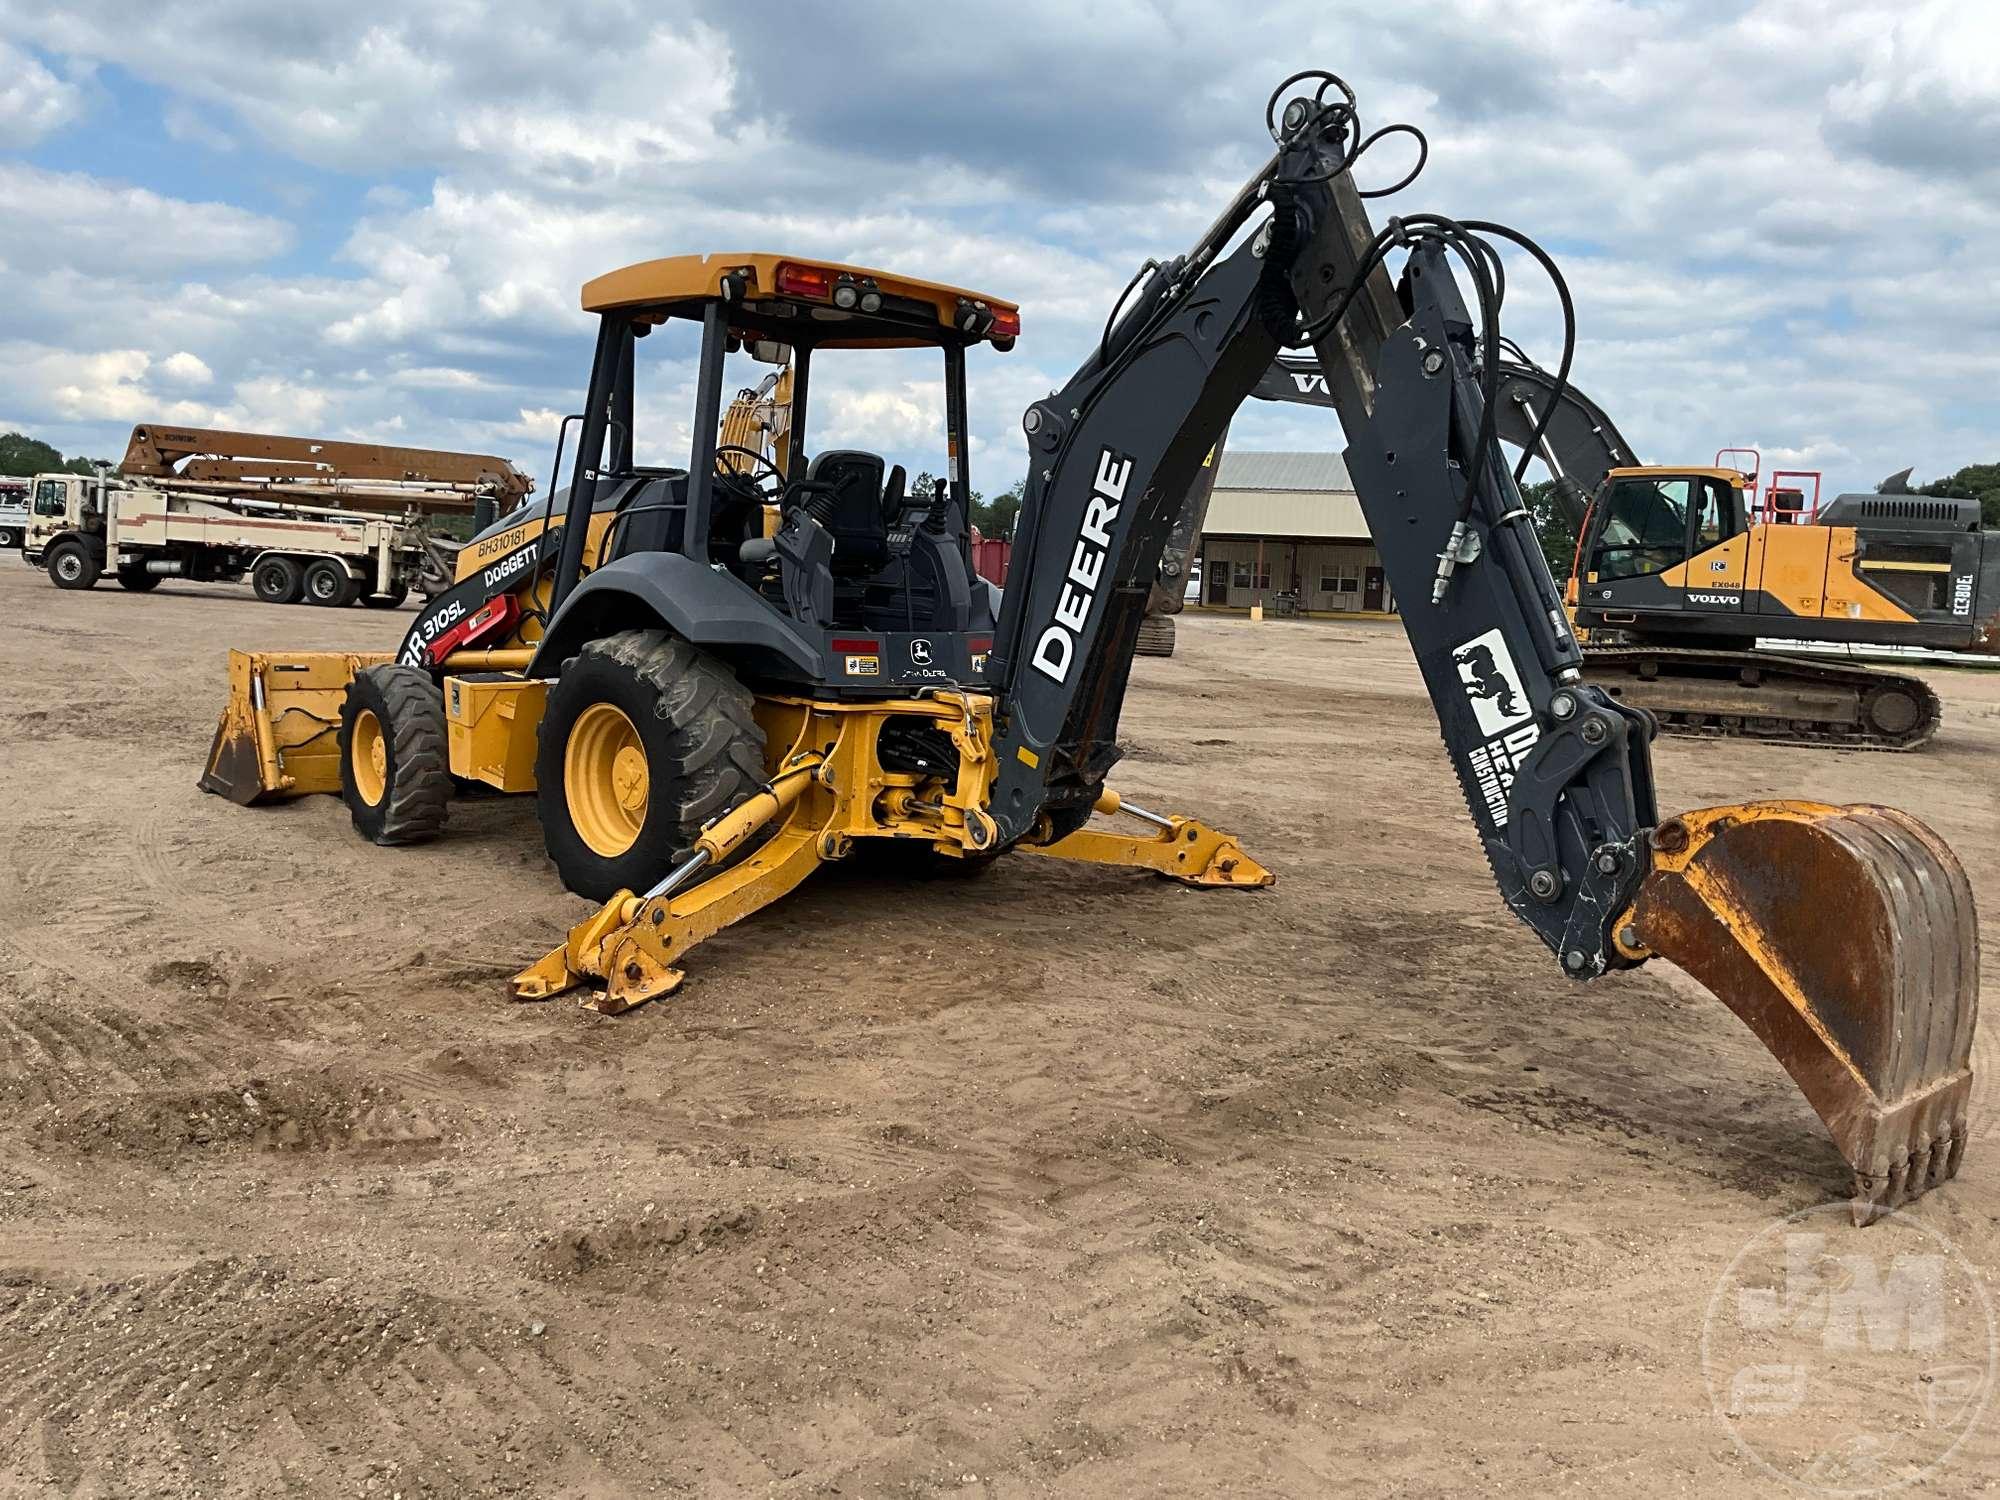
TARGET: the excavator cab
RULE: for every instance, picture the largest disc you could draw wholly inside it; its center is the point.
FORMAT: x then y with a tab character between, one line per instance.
1644	529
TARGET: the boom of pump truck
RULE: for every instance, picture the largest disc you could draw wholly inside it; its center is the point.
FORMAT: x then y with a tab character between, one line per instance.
303	519
716	676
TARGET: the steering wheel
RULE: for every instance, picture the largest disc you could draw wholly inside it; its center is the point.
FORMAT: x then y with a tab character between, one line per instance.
769	483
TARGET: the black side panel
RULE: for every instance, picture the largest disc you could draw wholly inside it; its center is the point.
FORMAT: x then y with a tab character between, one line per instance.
507	571
701	604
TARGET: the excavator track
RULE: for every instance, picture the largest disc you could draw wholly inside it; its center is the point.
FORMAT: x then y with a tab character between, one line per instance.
1764	695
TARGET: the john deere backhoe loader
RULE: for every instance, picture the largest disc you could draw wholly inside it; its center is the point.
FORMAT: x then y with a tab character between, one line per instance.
715	678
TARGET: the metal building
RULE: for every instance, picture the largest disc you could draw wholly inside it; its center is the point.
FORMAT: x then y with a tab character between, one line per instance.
1285	531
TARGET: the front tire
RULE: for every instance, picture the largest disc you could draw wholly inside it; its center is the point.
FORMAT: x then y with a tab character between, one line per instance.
278	580
644	740
394	771
72	565
391	600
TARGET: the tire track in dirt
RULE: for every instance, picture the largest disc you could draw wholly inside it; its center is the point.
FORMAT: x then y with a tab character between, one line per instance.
196	1369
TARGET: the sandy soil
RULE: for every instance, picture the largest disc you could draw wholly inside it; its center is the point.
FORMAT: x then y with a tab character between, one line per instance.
1061	1180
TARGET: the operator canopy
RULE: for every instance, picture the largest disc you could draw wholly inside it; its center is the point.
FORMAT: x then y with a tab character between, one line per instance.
820	303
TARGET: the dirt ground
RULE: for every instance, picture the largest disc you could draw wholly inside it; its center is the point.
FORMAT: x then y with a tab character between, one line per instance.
1061	1180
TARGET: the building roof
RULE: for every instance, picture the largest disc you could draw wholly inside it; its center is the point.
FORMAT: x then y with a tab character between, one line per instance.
1302	495
1283	471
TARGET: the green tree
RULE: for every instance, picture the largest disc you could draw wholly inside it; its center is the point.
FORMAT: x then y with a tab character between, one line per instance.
1979	482
998	517
21	454
1552	527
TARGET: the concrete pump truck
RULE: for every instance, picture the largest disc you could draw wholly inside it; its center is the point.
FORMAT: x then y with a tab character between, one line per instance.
716	675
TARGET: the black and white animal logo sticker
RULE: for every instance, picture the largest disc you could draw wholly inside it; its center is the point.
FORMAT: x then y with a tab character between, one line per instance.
1492	685
920	653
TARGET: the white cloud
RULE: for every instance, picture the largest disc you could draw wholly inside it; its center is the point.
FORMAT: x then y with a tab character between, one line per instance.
271	403
108	386
33	101
190	126
71	222
186	369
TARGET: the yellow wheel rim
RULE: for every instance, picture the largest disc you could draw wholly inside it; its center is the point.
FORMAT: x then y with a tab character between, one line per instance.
606	779
368	757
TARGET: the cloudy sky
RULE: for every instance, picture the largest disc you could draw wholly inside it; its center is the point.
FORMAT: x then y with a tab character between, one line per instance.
1781	219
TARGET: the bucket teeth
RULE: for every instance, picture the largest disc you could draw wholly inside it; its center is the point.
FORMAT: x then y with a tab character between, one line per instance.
1845	938
1932	1163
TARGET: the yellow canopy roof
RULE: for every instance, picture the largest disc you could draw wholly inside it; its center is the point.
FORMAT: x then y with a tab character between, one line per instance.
698	278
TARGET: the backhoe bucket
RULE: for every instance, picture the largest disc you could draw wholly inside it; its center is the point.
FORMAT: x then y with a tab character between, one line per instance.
278	736
1845	938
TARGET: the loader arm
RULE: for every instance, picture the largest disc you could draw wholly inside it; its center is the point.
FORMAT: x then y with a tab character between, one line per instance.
1556	774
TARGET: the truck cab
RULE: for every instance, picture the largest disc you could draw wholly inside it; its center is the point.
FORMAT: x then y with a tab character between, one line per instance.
65	526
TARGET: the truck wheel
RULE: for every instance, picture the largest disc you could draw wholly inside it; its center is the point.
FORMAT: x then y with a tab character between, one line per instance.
138	580
72	565
644	740
391	600
394	772
277	580
329	583
9	537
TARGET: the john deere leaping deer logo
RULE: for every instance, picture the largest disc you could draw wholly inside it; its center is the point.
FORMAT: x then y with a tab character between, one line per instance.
1492	685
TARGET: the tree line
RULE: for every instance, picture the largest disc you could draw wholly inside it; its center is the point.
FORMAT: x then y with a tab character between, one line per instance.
21	455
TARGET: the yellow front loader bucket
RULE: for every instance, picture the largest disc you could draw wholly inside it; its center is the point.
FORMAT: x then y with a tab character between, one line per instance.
279	734
1845	938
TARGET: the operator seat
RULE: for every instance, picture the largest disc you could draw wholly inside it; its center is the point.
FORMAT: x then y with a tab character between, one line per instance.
860	531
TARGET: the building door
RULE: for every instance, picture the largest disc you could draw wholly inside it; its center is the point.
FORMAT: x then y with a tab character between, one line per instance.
1371	589
1215	577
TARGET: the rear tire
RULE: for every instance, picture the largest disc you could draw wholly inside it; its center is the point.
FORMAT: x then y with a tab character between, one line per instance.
645	739
72	565
138	580
329	583
278	580
9	537
394	772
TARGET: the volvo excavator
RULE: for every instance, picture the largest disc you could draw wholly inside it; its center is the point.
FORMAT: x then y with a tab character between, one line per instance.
716	675
1679	572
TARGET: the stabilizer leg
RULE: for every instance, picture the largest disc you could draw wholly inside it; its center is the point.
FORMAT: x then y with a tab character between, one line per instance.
1845	938
628	951
1179	848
